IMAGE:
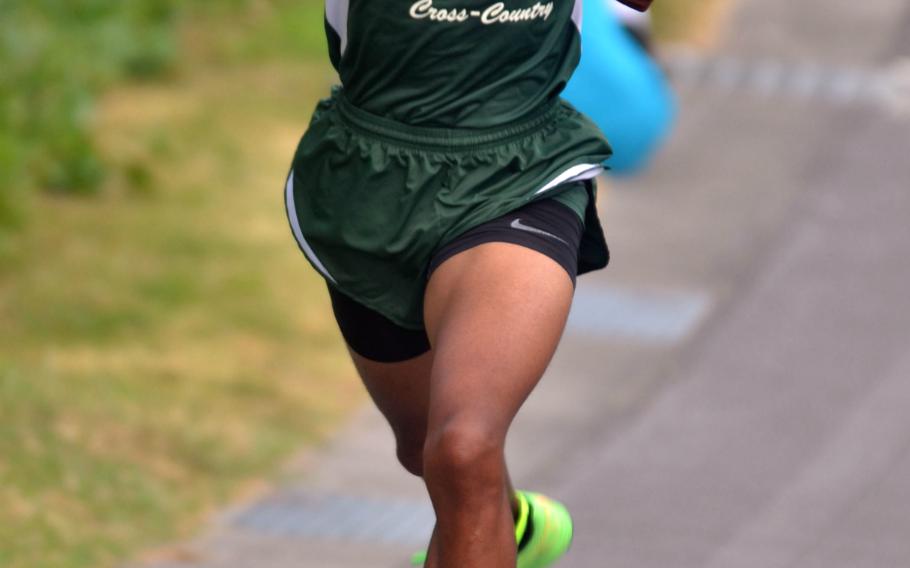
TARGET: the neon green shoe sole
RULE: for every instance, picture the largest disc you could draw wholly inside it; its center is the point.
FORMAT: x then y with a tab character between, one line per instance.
419	558
551	539
552	533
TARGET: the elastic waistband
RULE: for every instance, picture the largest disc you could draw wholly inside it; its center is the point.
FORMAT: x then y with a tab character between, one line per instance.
444	138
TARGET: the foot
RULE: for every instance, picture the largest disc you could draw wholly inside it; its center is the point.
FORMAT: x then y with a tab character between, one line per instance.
549	532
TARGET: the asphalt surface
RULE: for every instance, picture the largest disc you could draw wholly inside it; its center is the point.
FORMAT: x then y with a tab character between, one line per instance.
743	398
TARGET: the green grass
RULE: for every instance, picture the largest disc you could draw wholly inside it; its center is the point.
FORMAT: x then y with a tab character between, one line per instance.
58	55
163	343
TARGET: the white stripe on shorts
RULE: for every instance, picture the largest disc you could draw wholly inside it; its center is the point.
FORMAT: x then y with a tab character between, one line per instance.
581	172
336	14
298	232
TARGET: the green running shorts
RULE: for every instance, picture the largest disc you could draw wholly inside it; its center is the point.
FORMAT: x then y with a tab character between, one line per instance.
369	200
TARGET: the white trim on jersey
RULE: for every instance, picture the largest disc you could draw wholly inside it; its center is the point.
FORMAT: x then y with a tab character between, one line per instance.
336	14
298	232
581	172
577	13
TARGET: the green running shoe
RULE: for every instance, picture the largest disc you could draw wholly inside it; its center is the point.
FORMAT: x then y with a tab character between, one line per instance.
419	558
550	536
551	532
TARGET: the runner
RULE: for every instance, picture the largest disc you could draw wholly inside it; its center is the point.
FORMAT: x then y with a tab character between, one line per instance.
446	195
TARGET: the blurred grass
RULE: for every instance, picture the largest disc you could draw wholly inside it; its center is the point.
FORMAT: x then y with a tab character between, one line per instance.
162	341
56	56
694	22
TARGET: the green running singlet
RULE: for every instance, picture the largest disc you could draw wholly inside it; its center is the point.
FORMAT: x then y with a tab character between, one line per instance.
464	63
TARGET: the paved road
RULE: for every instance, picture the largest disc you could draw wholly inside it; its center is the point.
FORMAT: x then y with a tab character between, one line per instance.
743	400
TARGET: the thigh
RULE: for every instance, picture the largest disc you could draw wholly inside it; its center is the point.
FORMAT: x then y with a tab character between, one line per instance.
494	315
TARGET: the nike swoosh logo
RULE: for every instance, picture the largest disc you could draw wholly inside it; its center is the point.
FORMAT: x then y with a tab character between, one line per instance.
517	224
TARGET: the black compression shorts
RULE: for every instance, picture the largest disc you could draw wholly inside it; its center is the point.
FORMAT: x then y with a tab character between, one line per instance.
546	226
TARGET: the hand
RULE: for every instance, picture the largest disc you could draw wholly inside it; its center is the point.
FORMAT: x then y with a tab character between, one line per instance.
640	5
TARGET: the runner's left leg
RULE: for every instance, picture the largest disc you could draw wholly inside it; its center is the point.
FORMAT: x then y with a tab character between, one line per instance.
401	392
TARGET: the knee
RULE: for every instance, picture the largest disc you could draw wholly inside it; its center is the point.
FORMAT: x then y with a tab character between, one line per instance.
463	452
